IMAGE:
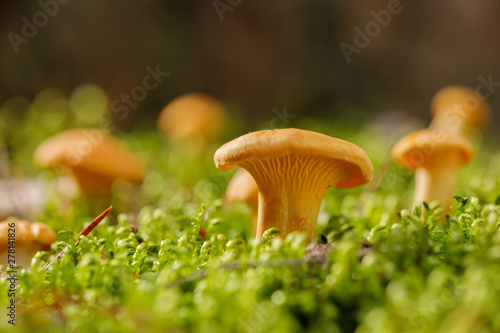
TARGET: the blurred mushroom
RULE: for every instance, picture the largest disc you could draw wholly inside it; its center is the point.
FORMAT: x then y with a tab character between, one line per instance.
96	159
193	119
242	187
435	156
460	109
29	239
293	170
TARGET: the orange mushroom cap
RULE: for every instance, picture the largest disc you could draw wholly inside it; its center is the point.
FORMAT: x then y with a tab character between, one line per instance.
352	166
455	107
415	149
35	234
192	115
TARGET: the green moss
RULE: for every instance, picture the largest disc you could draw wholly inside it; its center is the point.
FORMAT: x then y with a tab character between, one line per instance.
180	259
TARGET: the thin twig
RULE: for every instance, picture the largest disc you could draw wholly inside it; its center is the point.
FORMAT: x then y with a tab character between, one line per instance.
84	232
234	265
315	254
94	223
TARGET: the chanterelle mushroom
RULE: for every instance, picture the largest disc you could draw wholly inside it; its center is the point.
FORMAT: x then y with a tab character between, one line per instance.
459	109
193	117
293	169
95	158
29	239
435	156
242	187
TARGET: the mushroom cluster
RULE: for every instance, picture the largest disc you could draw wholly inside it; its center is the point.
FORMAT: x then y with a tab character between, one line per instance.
293	169
285	172
29	239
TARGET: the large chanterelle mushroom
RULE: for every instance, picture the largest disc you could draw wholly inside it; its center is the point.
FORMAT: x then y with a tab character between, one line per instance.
293	169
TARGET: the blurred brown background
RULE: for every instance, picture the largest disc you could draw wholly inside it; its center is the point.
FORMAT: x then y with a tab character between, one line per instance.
261	55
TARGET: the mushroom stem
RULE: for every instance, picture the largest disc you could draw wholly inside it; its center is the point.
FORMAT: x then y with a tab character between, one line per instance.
452	119
254	219
435	180
92	182
280	209
291	190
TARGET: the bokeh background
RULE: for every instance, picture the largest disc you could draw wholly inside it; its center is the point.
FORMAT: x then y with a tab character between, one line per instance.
257	55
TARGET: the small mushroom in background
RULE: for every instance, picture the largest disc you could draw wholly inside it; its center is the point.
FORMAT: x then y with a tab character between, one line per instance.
29	239
242	187
293	169
435	156
194	121
459	109
96	159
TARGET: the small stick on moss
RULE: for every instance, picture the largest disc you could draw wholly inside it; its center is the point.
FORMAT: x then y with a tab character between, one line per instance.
234	265
94	223
84	232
